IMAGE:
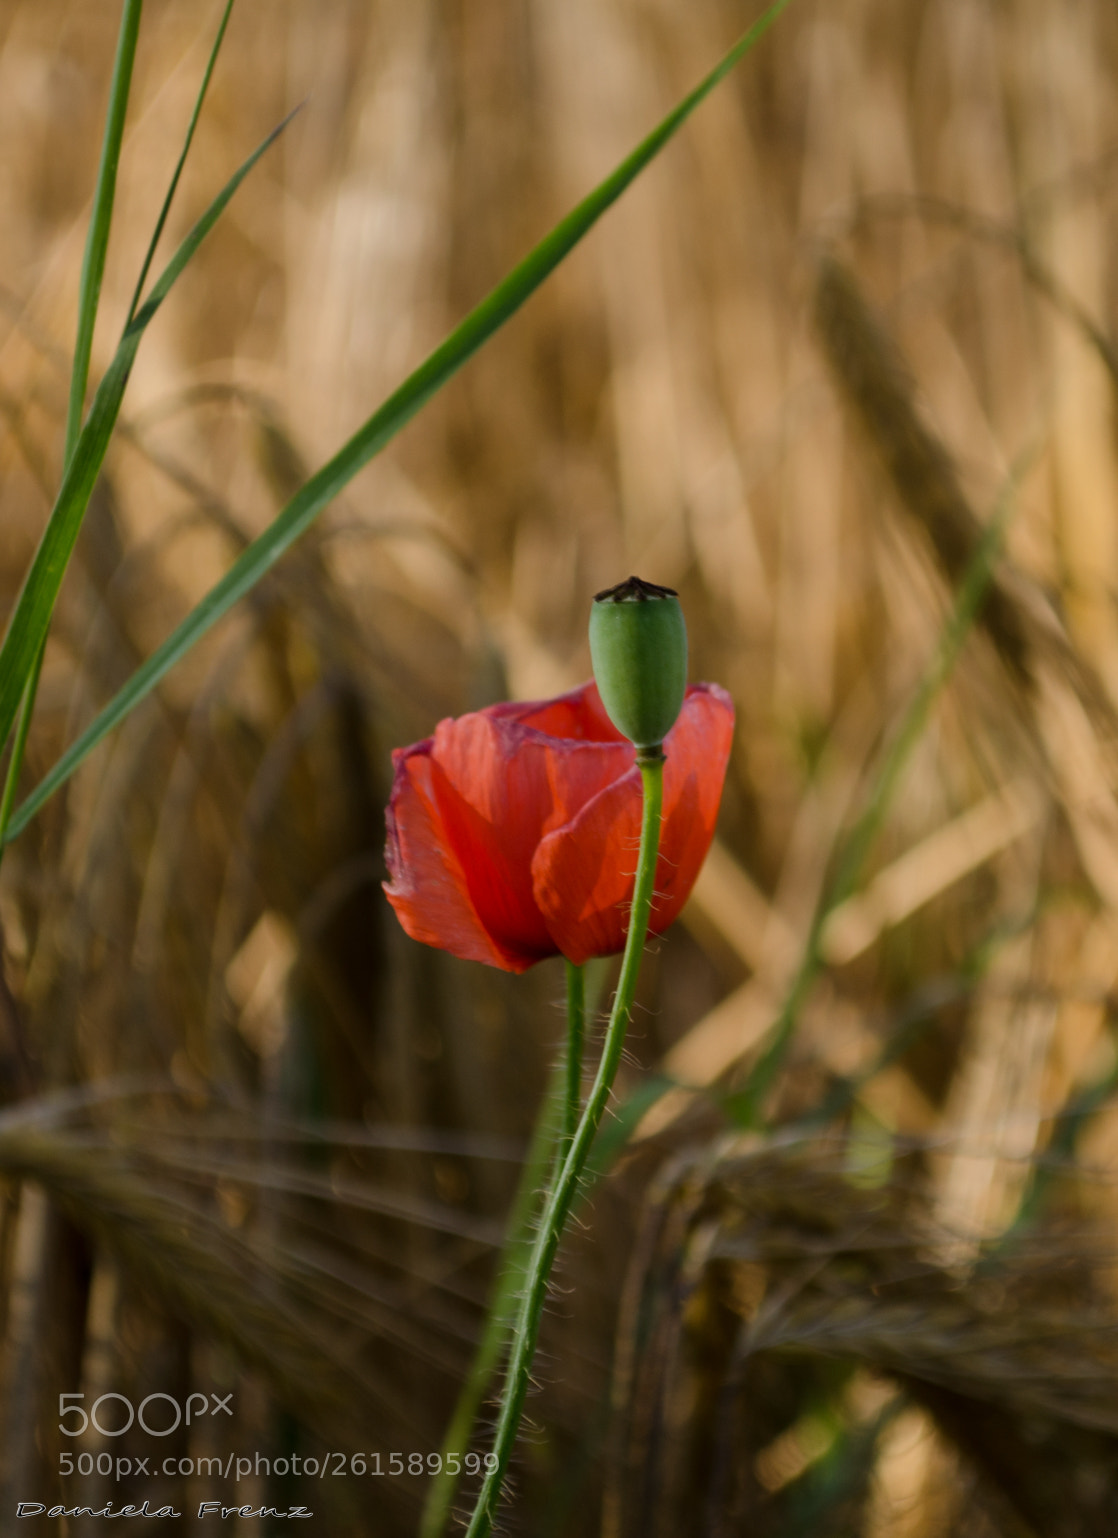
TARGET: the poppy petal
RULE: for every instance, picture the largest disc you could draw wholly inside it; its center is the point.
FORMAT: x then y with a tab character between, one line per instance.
579	716
427	885
698	751
583	873
504	784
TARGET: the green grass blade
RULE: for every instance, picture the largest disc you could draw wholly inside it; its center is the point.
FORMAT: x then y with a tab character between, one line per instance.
97	238
36	601
89	294
23	727
746	1105
478	326
93	267
149	255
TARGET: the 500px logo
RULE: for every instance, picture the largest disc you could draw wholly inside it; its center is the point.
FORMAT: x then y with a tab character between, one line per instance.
195	1407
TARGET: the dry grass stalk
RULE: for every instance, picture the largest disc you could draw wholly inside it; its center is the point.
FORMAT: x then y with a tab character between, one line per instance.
758	1269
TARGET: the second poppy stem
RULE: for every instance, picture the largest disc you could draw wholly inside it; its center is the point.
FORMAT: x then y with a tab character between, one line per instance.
576	1033
562	1193
555	1127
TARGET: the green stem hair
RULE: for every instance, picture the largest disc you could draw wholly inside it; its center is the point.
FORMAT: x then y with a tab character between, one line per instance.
551	1138
563	1190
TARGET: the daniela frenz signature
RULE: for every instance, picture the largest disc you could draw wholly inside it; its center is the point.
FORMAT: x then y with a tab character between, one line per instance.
205	1509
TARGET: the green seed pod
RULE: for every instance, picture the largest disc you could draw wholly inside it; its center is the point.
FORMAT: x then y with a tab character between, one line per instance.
638	644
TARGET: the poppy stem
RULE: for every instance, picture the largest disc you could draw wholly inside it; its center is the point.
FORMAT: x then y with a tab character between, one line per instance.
576	1032
565	1185
539	1166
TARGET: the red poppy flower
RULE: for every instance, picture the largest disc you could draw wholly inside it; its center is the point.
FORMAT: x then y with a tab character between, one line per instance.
513	831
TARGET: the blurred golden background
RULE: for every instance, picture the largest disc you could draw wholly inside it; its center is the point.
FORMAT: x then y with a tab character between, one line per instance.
259	1141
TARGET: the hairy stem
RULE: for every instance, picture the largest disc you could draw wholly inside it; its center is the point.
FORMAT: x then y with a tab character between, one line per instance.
566	1181
551	1137
576	1032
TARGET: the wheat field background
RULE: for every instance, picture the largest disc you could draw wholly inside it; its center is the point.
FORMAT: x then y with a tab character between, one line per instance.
256	1141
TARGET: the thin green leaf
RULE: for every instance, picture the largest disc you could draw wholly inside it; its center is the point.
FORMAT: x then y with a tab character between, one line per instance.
747	1104
97	238
23	727
89	294
481	323
36	601
149	255
93	267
